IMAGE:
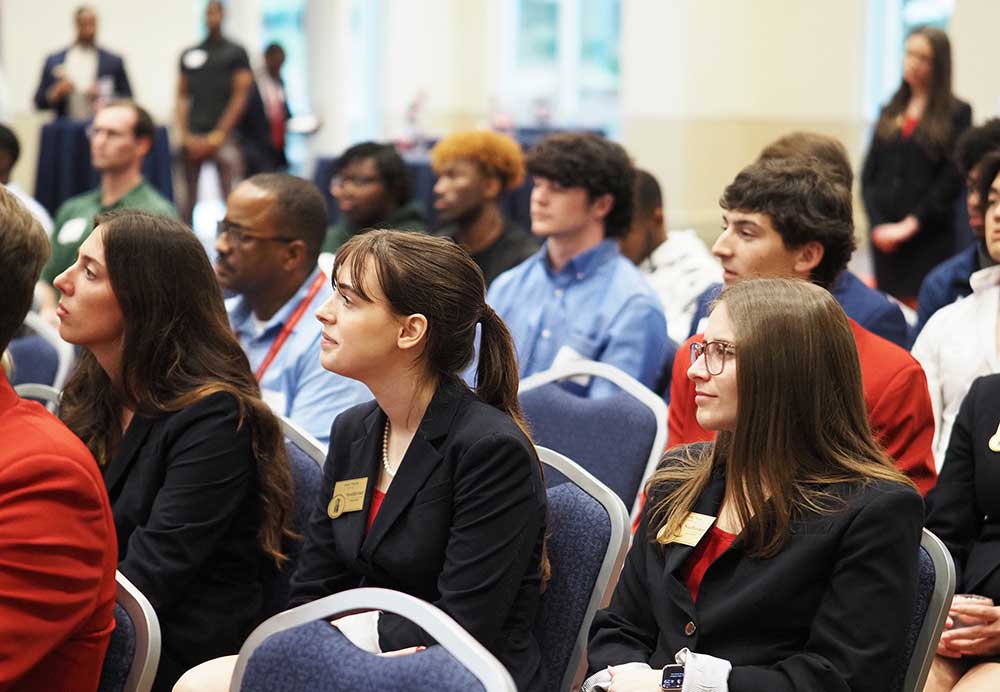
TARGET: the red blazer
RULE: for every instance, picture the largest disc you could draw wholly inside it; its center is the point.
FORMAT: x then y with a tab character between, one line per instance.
58	554
899	405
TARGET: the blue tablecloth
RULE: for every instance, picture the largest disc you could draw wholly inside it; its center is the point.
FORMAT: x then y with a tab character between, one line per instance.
64	168
516	204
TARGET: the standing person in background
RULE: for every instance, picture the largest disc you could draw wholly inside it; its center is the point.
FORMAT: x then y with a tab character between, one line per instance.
475	169
909	181
372	187
75	78
678	265
272	92
212	91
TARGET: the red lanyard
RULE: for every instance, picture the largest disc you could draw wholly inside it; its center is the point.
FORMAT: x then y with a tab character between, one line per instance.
289	325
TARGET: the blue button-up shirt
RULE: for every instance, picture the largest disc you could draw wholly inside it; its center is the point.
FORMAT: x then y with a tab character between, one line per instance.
296	385
598	305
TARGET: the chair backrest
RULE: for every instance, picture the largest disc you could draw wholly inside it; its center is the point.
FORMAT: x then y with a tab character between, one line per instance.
42	393
292	651
588	539
134	652
935	588
305	457
35	360
65	352
619	438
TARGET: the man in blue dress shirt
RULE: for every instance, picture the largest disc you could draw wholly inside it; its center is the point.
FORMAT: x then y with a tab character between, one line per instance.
578	297
267	246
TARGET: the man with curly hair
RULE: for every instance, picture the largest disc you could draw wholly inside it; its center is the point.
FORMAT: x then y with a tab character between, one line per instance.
578	297
475	169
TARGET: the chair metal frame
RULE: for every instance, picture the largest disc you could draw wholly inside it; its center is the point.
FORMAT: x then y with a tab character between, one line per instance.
142	672
65	351
925	649
304	441
41	392
614	557
448	633
630	385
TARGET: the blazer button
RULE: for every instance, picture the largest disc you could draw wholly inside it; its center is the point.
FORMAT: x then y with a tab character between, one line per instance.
690	629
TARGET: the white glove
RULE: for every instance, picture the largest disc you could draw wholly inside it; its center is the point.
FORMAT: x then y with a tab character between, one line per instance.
703	673
601	680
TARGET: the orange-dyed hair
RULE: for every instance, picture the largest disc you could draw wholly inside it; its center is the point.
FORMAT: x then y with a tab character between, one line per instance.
496	154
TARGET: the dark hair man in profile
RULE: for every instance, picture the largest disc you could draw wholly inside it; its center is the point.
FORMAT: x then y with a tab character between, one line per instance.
475	168
267	246
577	297
58	546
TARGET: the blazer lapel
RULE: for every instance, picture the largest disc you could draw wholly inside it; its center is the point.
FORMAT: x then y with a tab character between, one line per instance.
362	462
420	459
135	436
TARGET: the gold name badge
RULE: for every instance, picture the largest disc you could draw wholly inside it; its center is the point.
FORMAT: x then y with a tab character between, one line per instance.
691	531
348	496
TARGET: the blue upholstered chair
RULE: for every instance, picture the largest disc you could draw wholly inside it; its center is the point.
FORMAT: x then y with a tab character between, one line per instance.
42	393
588	537
619	438
134	651
936	586
305	457
297	650
42	357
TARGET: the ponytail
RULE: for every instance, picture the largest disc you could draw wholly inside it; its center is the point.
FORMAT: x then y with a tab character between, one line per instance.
496	373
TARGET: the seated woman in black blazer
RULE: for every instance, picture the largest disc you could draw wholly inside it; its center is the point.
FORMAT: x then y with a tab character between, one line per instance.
431	489
783	556
193	460
963	510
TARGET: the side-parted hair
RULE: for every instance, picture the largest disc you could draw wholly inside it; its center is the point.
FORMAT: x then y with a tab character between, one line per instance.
24	250
934	129
177	349
496	155
389	164
300	210
804	202
975	143
587	160
829	150
802	423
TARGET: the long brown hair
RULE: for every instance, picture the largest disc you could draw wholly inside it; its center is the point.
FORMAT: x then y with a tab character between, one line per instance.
435	277
935	129
177	349
802	423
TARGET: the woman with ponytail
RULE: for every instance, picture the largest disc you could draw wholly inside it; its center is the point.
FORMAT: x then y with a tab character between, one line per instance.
193	460
432	489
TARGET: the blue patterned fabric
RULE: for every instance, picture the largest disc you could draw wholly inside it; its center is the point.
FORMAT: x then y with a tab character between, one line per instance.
121	653
318	658
307	479
35	360
579	534
925	589
610	437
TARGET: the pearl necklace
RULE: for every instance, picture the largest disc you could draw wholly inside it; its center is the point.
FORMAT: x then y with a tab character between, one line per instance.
385	450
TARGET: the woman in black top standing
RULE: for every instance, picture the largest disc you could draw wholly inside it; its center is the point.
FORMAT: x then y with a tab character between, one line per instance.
909	181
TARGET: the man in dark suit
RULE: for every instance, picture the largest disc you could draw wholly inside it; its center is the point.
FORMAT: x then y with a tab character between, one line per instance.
58	551
75	77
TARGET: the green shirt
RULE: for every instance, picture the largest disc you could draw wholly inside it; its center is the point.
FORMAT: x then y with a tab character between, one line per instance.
75	220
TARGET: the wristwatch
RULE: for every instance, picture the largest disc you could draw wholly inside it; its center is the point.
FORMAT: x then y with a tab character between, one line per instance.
673	677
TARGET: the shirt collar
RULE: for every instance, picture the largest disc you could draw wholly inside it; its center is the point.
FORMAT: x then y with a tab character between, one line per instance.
985	278
242	317
583	265
124	200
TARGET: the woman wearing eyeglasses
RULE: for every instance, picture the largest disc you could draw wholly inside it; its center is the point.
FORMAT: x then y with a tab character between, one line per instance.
192	458
783	556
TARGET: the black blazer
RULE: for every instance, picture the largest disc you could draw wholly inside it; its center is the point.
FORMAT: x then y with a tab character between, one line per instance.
829	612
963	509
108	65
901	177
184	496
461	526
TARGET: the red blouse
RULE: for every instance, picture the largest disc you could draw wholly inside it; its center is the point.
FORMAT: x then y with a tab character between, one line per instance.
909	125
373	510
710	547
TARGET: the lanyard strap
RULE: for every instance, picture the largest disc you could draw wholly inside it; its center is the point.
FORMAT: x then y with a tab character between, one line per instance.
289	325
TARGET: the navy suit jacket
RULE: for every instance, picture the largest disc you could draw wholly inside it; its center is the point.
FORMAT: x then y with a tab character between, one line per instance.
108	65
945	284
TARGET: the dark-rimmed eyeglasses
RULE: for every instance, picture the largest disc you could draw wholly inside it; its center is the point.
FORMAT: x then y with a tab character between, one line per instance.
715	353
238	234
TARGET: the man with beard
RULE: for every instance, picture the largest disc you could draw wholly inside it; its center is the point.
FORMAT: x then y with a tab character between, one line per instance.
267	245
474	170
